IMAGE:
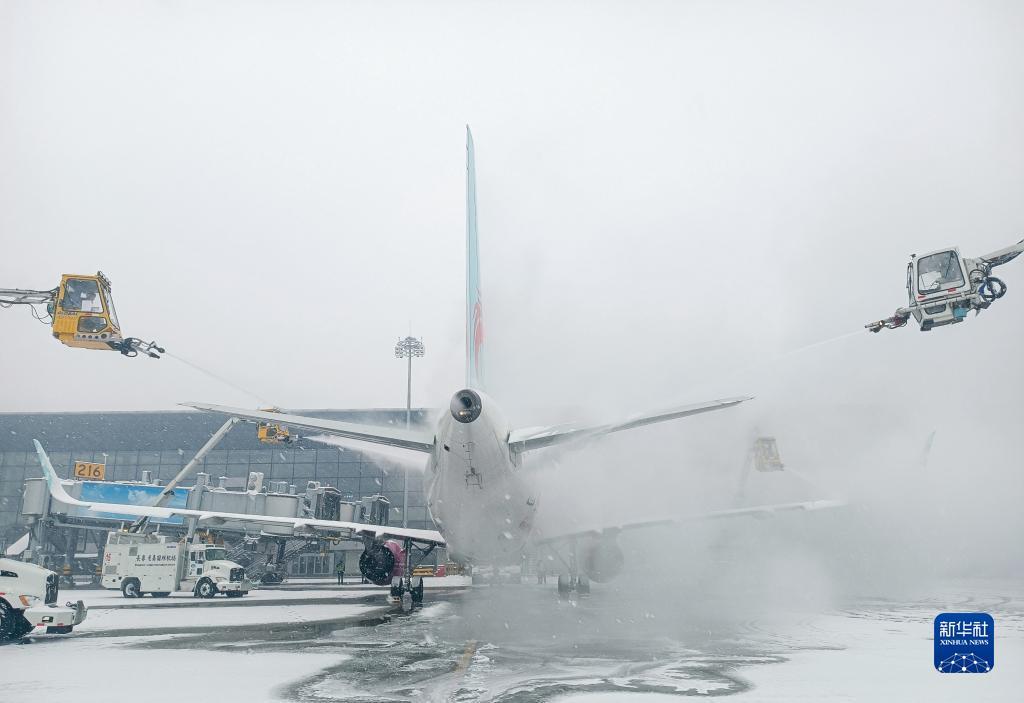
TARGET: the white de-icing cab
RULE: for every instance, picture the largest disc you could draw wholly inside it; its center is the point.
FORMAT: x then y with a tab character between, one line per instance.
943	286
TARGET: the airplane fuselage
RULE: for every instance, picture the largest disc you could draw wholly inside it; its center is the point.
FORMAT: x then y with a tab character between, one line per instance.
476	491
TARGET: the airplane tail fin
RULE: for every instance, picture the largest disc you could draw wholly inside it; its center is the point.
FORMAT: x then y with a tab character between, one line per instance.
474	306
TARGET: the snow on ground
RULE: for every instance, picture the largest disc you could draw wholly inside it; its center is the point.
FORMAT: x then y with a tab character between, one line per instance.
888	658
340	649
111	656
95	670
879	651
187	619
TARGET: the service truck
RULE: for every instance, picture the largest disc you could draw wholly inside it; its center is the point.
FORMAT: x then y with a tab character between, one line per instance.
138	564
28	599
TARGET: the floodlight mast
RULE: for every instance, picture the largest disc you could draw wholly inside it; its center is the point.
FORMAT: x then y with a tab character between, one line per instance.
407	348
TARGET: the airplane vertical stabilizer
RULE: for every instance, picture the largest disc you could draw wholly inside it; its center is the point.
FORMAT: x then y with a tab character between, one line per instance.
474	306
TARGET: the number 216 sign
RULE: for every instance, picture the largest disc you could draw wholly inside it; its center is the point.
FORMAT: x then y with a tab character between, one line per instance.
90	471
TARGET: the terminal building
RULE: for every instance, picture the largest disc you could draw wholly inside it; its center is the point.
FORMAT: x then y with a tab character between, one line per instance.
154	446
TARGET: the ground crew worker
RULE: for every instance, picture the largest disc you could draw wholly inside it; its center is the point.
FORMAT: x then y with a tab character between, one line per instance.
339	570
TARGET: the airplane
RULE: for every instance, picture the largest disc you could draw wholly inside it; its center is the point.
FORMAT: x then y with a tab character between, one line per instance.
478	494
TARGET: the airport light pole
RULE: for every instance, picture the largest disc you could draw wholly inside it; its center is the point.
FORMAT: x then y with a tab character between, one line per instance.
406	349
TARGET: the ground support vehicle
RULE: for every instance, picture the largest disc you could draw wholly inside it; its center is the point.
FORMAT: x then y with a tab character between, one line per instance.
28	599
138	564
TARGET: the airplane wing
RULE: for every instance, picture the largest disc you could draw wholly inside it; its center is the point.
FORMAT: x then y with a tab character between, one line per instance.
1000	257
393	437
757	511
539	437
212	518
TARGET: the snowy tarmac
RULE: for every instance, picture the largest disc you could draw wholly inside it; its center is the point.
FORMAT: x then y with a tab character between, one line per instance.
511	644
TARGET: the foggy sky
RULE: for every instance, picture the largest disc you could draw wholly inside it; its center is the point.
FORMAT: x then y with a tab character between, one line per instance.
671	197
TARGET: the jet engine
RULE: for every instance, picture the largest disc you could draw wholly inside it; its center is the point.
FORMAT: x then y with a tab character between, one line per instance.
601	559
380	562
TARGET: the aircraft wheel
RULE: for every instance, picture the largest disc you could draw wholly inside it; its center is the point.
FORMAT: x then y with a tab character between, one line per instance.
563	586
417	592
131	588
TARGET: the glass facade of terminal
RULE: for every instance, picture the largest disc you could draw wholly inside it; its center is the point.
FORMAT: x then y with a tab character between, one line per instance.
162	443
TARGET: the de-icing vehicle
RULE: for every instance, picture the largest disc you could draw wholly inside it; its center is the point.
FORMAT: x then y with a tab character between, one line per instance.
81	313
942	287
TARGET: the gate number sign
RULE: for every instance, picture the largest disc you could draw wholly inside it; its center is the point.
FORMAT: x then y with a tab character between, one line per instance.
90	471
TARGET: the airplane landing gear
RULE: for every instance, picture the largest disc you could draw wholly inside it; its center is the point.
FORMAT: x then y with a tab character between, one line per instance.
406	584
564	586
568	584
571	580
583	585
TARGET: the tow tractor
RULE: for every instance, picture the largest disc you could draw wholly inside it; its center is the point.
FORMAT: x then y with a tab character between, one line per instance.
80	312
28	599
943	286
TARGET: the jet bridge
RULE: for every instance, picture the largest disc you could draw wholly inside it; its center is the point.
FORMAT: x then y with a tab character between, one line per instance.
60	534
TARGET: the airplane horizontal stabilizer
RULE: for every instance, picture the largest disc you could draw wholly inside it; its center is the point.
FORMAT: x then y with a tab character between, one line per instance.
393	437
530	438
212	518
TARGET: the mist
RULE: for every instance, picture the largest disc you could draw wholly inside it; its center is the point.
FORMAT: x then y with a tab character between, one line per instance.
678	202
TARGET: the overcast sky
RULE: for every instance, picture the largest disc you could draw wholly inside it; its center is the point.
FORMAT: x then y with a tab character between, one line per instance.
672	196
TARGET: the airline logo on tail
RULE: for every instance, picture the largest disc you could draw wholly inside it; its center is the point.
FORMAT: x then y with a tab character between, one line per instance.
477	330
474	306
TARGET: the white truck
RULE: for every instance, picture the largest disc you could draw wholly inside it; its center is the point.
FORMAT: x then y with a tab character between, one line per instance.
28	599
138	564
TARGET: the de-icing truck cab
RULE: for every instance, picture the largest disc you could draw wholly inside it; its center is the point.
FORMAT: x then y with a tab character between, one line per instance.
138	564
28	599
943	287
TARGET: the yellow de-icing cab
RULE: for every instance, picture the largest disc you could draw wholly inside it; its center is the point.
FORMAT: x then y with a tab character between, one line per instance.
273	433
84	317
83	313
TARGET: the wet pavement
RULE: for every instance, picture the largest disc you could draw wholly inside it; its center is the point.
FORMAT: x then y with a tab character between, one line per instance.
520	644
